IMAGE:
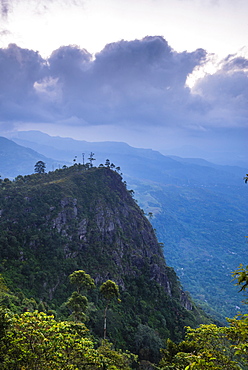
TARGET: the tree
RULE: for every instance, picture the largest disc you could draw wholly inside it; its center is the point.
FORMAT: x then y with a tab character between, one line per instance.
39	167
107	163
36	341
91	159
147	343
77	302
120	359
109	290
131	191
3	287
82	280
150	215
241	275
210	347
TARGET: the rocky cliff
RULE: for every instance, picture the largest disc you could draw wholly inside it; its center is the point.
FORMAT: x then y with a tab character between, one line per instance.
53	224
110	225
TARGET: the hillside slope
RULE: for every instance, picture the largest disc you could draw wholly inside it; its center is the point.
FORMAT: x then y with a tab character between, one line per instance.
17	160
199	210
70	219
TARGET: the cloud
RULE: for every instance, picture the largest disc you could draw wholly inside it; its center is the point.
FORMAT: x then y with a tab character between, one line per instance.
130	85
226	92
38	6
19	70
128	81
4	6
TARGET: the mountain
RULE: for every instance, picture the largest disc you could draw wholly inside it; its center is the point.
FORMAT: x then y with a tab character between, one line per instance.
140	164
72	219
18	160
199	211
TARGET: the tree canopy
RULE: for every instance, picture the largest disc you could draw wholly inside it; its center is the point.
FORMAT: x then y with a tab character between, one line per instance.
35	341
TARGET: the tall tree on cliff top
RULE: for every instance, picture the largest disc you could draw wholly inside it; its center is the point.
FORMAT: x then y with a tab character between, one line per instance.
40	167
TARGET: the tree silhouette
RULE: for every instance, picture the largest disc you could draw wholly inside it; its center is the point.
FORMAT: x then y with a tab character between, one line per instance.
91	159
107	163
40	167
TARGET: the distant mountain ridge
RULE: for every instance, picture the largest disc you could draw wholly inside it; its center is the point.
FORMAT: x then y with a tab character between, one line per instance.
136	163
18	160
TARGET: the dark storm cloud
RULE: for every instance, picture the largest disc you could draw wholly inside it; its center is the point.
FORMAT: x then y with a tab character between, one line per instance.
150	60
129	83
19	70
140	80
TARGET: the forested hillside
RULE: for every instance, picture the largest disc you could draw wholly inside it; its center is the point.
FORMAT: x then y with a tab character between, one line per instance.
204	230
76	219
198	208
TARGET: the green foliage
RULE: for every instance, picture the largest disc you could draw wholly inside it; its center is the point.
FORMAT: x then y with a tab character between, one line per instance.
82	280
109	290
176	356
36	341
202	228
211	347
119	359
71	220
3	287
148	343
238	335
241	275
207	347
78	304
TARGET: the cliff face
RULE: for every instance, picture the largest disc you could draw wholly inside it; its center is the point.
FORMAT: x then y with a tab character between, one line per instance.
110	225
53	224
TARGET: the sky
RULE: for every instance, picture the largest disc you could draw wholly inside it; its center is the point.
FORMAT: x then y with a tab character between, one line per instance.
171	75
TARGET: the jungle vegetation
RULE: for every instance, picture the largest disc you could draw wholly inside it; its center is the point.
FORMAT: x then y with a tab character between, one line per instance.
53	312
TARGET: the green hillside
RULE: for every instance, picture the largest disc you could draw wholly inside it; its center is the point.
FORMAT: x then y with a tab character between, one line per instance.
203	230
71	219
199	208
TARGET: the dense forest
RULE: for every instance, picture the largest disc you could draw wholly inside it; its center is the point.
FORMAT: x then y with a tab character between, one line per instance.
196	207
84	283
